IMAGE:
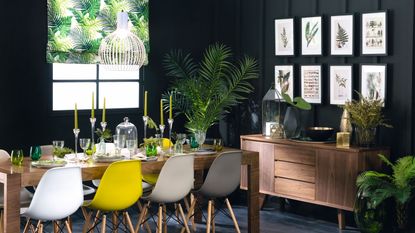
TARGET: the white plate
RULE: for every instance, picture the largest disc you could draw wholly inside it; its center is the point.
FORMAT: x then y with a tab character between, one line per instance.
108	159
205	152
48	163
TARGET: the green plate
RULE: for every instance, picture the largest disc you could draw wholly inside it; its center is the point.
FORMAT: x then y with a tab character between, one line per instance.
48	163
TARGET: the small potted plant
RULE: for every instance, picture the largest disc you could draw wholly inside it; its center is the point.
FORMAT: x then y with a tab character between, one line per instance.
366	115
150	145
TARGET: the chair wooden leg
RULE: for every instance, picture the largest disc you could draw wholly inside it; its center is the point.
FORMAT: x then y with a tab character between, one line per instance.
164	218
145	215
38	225
26	226
190	213
209	216
183	217
129	223
232	215
40	228
104	223
55	226
160	220
115	221
213	217
143	211
87	223
68	226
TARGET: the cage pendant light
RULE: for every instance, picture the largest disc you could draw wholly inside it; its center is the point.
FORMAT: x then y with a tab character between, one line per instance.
122	50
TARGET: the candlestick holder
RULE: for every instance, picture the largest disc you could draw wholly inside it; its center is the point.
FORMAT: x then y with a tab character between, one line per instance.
76	133
162	127
145	120
92	120
170	121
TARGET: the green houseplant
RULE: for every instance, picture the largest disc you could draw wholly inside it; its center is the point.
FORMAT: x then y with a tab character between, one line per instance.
366	115
205	91
400	186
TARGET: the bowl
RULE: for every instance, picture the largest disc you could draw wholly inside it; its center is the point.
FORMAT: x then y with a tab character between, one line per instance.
319	133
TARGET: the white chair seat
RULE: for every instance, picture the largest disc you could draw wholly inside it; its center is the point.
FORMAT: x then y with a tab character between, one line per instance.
25	198
88	190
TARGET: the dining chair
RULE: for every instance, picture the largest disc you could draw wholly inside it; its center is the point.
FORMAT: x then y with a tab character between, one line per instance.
55	200
119	188
173	184
25	195
222	179
152	178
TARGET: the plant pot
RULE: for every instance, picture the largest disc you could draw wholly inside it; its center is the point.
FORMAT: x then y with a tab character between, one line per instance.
367	218
292	122
365	137
151	150
402	216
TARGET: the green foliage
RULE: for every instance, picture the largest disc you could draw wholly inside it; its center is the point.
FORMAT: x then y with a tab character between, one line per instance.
297	102
205	92
61	152
106	135
379	186
310	33
366	113
342	37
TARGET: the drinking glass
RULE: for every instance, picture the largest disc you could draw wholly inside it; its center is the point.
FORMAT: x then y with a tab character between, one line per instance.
35	153
57	144
131	146
200	137
17	157
193	143
218	144
119	143
180	140
84	144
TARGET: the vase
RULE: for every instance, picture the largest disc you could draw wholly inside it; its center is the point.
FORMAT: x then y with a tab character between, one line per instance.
365	137
151	150
368	219
345	124
101	148
292	123
402	216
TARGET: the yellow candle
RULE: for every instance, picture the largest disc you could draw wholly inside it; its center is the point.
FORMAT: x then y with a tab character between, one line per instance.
76	116
92	109
161	113
171	105
103	112
145	103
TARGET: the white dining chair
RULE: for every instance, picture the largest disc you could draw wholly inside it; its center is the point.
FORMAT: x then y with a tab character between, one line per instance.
54	199
173	184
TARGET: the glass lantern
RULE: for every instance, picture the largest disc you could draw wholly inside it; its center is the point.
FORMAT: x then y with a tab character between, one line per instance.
271	114
129	130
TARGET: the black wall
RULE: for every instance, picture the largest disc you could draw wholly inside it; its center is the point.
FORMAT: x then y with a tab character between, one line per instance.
245	25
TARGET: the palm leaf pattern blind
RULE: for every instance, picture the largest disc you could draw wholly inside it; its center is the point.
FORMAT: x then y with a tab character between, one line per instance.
76	27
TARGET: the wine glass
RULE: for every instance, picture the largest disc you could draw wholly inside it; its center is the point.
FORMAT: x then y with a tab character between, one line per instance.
84	144
180	139
35	153
57	144
17	157
200	136
193	143
119	143
131	146
218	144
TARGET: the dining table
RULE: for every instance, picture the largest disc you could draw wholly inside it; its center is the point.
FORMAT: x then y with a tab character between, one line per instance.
15	177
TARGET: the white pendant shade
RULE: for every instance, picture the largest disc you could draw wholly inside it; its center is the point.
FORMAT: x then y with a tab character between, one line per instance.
122	50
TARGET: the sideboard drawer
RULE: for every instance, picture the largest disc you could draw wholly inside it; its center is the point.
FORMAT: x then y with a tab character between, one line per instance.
295	155
295	171
294	188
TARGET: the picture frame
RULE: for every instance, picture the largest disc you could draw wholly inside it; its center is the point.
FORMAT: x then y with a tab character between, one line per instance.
374	34
341	84
311	83
311	36
373	81
284	80
342	35
284	37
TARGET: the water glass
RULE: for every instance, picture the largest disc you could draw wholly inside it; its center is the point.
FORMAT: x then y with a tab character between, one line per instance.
57	144
84	143
17	157
180	140
200	137
119	143
218	144
35	153
131	145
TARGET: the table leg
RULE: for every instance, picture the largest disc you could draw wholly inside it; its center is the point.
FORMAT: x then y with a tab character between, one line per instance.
11	219
341	219
253	195
197	184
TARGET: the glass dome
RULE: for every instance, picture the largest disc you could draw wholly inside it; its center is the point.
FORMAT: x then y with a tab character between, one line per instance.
271	114
128	129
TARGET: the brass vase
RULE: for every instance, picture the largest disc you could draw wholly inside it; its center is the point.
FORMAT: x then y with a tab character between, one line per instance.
345	123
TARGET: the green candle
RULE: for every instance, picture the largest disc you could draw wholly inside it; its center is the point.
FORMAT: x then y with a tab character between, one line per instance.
145	103
76	116
171	106
103	112
92	109
161	113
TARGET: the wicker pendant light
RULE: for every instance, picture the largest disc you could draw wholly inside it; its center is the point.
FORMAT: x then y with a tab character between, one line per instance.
122	50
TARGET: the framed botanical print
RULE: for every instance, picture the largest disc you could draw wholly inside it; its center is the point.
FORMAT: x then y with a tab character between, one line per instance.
341	35
341	88
374	33
284	80
284	37
373	81
311	83
311	33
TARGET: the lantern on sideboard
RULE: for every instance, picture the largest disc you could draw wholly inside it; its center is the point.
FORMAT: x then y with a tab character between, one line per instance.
271	114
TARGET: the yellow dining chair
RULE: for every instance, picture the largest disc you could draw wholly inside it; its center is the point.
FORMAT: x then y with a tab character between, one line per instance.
120	188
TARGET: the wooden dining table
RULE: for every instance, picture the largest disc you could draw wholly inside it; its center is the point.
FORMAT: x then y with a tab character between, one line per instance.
15	177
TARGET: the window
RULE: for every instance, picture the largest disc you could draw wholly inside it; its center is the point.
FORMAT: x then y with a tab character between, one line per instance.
74	83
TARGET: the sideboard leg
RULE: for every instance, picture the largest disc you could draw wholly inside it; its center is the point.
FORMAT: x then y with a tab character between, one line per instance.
341	219
262	200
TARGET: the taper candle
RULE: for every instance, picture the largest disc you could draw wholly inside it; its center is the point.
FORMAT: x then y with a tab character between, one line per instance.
145	103
103	111
171	106
92	109
76	116
161	113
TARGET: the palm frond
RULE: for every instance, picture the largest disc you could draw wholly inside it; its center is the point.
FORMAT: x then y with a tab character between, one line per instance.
178	65
404	171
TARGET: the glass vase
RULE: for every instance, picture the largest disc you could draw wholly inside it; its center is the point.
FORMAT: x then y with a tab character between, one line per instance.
292	122
365	137
151	150
368	219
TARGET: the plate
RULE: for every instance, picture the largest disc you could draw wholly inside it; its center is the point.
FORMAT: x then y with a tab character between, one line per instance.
48	163
205	152
143	158
109	159
309	140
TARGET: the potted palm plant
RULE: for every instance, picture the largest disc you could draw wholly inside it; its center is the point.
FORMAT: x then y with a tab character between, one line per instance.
400	185
204	92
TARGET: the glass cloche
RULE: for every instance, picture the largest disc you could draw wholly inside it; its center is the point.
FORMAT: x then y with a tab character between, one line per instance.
271	118
129	130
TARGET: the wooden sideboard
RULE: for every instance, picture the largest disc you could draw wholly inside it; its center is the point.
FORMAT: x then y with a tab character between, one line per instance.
317	173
